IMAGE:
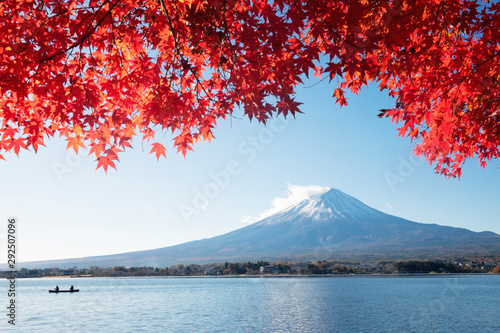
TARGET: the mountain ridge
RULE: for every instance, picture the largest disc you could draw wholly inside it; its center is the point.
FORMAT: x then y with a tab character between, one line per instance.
324	226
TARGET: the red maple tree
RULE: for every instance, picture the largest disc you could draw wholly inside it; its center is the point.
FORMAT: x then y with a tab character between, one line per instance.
100	72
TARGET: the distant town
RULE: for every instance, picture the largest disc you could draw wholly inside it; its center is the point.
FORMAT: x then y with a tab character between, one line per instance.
321	267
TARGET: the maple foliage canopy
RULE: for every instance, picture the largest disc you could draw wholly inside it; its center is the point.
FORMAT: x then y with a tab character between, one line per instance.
100	72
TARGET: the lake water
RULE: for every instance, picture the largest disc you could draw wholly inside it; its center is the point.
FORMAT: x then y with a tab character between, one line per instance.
430	303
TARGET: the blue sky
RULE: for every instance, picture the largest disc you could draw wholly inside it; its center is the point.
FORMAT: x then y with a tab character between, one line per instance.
66	209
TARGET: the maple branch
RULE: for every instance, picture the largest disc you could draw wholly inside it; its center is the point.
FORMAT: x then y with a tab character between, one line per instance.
174	32
228	33
87	33
80	71
184	62
469	74
315	84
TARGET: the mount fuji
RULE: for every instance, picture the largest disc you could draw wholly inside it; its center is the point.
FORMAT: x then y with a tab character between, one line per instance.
329	225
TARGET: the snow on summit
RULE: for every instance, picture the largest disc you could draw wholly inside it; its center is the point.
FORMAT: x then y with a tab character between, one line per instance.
305	204
315	207
294	195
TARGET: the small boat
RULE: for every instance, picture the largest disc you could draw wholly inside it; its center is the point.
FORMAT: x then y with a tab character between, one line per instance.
64	291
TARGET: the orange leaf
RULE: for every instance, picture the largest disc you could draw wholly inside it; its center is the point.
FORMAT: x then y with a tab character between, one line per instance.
159	150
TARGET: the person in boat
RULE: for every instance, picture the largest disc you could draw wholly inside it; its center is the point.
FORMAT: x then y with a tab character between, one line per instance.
72	288
57	288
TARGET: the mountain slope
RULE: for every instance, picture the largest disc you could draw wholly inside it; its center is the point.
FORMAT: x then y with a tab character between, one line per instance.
325	226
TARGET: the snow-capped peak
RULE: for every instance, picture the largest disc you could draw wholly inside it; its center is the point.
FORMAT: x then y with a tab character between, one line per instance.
328	204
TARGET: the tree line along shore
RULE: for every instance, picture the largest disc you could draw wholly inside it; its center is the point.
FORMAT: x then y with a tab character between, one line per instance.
321	267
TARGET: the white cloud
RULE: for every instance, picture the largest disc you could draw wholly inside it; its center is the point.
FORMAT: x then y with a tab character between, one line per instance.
294	194
248	219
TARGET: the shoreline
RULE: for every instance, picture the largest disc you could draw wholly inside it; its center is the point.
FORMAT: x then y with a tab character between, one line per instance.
284	276
62	277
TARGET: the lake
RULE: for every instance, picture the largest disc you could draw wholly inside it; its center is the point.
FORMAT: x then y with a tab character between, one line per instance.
427	303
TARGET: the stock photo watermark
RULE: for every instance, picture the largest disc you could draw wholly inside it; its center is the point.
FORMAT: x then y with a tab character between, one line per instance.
404	170
12	252
71	162
449	294
248	150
